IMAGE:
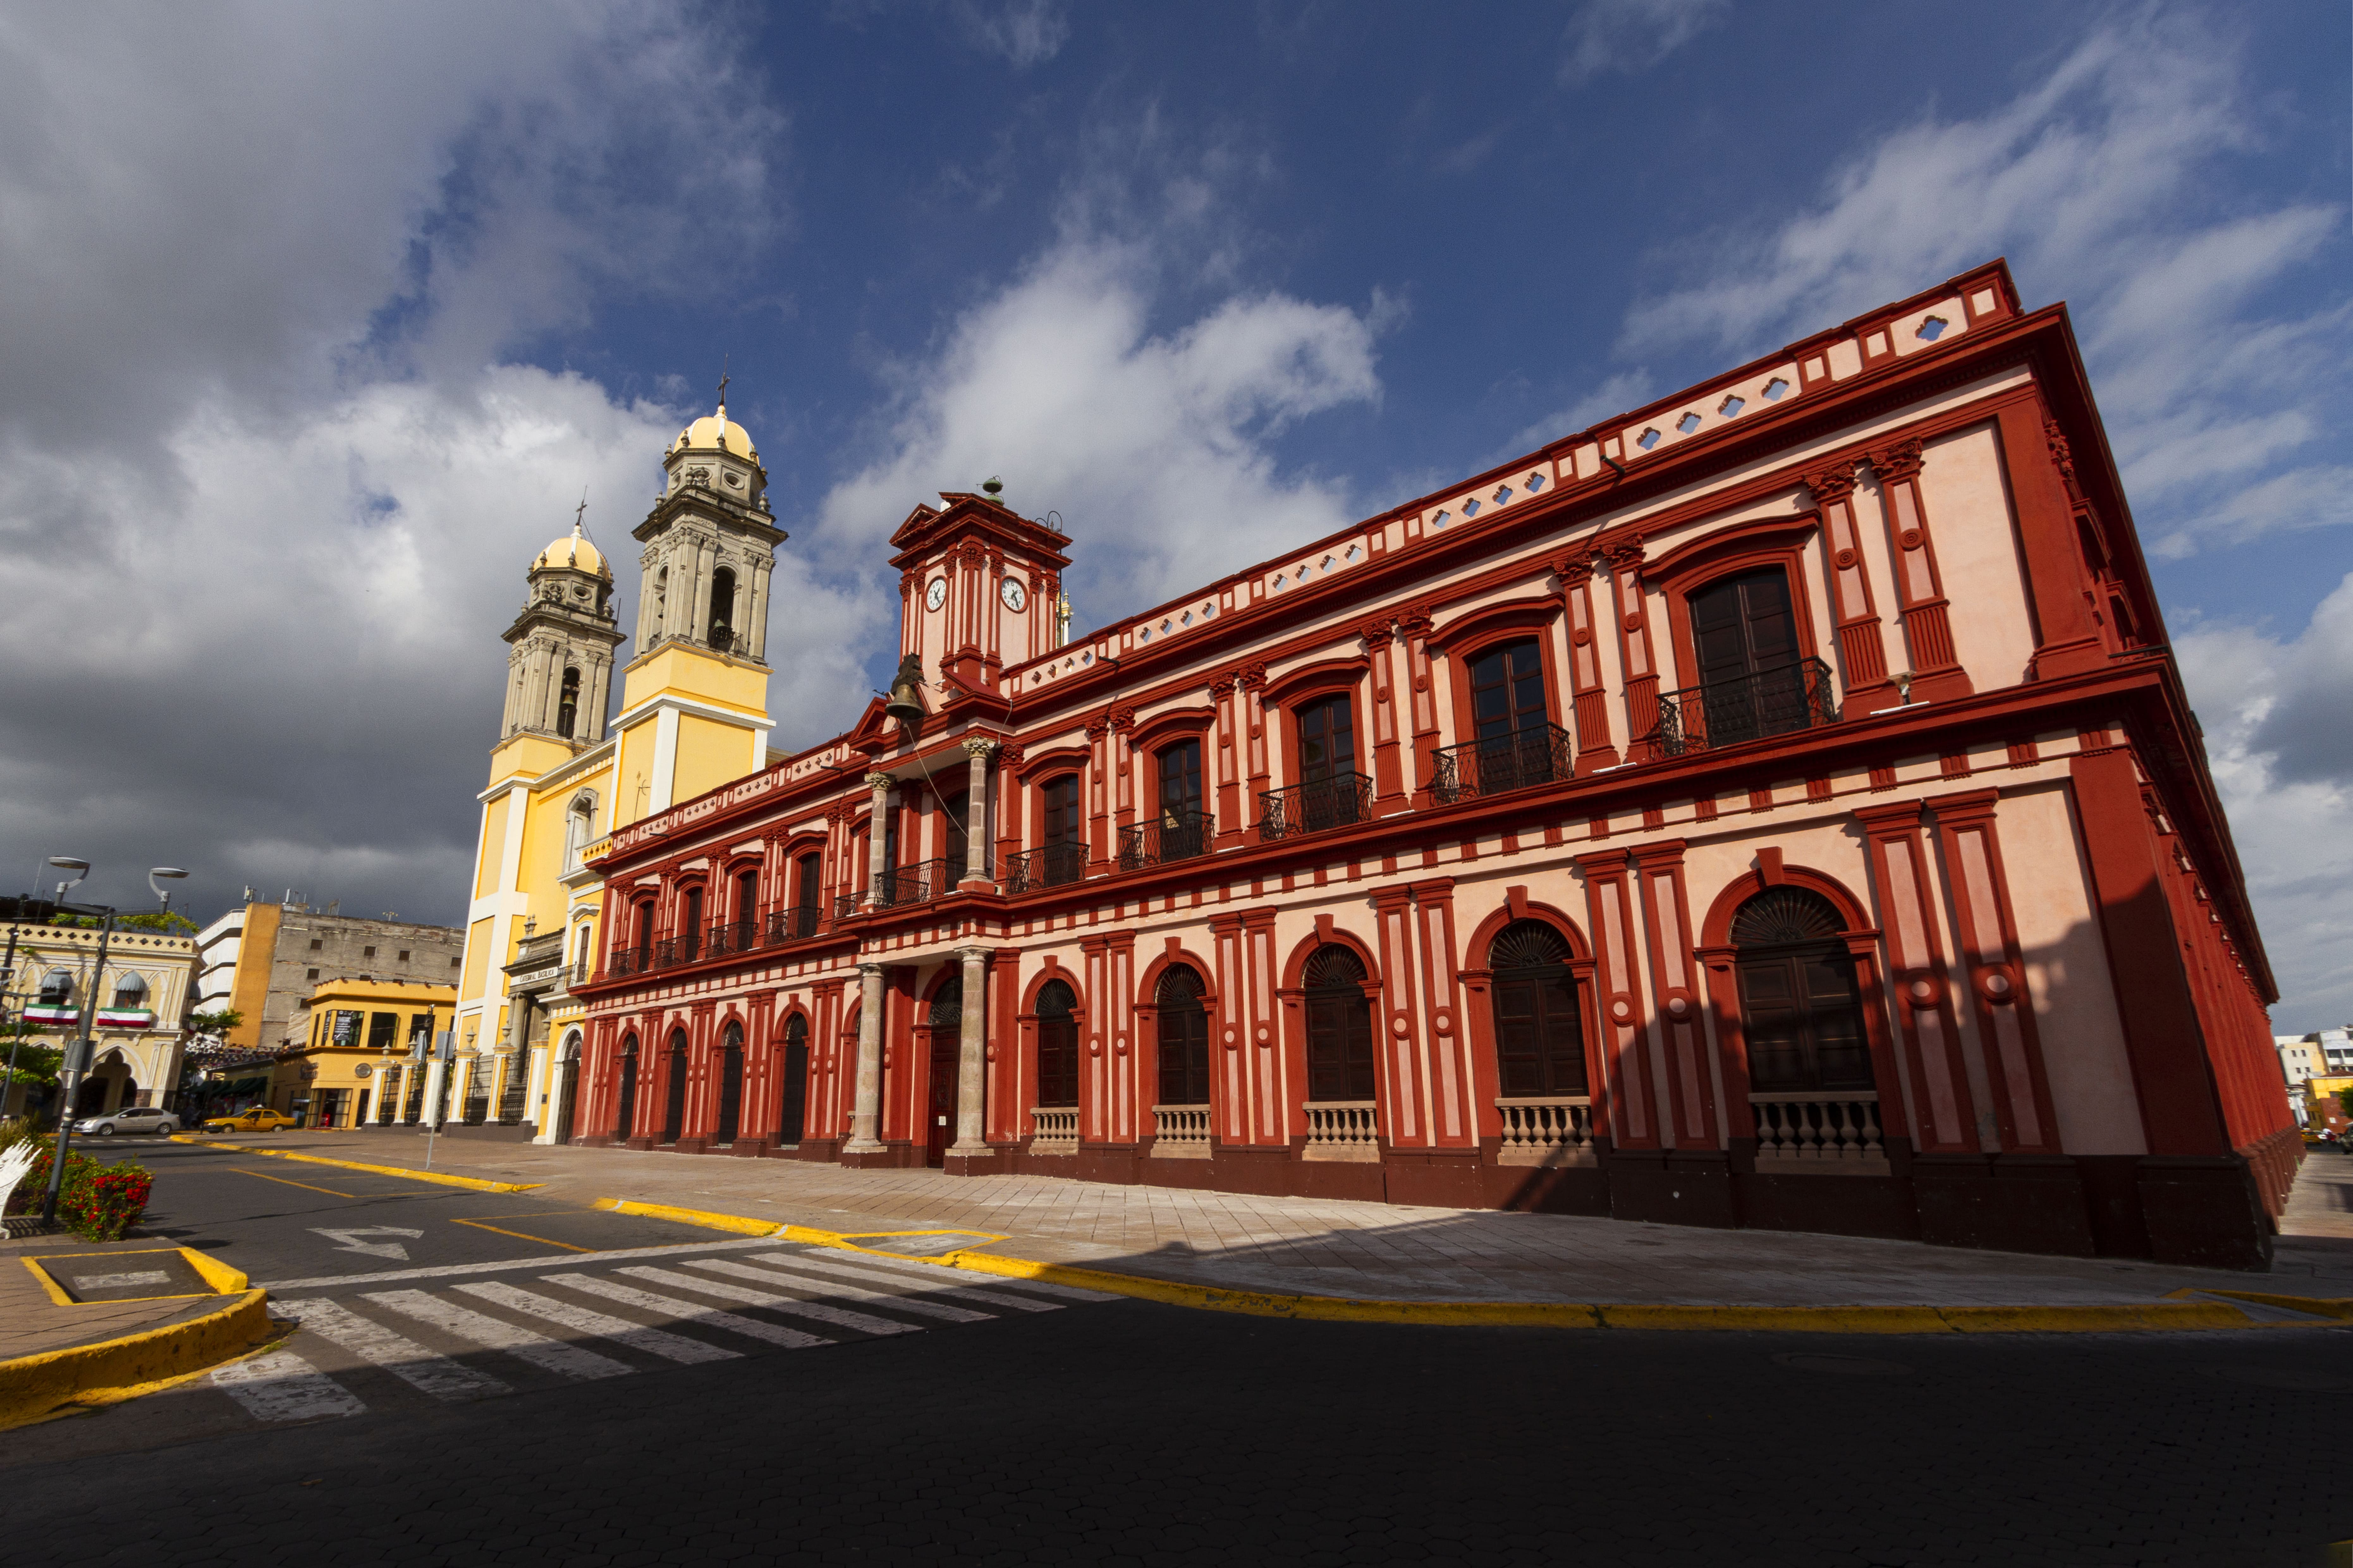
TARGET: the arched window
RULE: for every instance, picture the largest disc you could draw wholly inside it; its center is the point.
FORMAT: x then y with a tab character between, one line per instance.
722	609
731	1084
674	1098
1058	1046
1745	635
568	705
1339	1027
947	1005
1799	1004
130	993
1184	1039
579	827
57	988
624	1118
794	1109
1539	1034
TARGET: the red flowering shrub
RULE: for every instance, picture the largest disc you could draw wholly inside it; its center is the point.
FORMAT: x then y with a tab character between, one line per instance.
97	1203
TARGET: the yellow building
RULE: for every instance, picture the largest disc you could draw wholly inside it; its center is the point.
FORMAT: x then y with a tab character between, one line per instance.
142	995
356	1037
692	716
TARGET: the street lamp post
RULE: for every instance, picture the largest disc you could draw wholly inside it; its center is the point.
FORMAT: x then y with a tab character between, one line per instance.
80	1052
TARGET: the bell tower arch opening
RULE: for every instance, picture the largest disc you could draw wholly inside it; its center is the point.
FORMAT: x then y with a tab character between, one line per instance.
560	658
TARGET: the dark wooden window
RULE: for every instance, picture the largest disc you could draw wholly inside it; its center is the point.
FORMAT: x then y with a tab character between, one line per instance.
794	1111
730	1085
1062	801
955	814
1057	1045
1184	1039
1744	625
1507	691
625	1120
1179	767
1327	739
946	1019
645	931
1339	1027
674	1099
1540	1033
1799	1004
690	933
807	875
748	906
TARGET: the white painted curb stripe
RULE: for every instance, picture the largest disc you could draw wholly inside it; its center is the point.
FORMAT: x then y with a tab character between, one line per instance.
791	1305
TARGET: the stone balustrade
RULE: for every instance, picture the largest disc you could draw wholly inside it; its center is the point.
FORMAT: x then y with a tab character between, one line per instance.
1546	1129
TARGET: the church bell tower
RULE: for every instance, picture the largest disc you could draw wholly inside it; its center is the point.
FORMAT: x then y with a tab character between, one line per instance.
695	701
560	655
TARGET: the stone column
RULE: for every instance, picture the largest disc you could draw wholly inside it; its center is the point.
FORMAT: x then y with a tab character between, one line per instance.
976	810
866	1110
878	836
972	1056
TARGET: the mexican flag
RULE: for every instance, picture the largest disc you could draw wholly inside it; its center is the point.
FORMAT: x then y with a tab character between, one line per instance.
126	1018
52	1014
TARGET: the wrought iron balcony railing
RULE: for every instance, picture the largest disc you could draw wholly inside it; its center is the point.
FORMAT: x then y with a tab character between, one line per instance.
732	936
792	924
846	904
630	961
1545	755
1172	835
1049	867
917	884
1726	712
1335	802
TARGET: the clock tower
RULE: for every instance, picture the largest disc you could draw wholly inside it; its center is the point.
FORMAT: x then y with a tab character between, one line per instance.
980	587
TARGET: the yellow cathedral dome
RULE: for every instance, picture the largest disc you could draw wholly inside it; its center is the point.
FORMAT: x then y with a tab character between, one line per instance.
716	431
574	550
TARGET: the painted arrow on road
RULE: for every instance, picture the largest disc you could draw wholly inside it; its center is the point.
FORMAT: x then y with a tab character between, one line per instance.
351	1242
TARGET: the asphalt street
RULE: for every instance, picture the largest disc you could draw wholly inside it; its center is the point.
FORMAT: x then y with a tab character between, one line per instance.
1131	1433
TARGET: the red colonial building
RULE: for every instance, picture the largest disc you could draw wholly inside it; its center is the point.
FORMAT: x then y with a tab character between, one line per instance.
1775	807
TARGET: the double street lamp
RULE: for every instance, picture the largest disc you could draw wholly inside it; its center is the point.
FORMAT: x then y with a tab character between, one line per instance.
79	1052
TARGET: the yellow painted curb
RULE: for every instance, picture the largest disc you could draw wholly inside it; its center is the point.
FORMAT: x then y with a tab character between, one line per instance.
1780	1319
33	1386
476	1183
2318	1306
704	1218
2153	1316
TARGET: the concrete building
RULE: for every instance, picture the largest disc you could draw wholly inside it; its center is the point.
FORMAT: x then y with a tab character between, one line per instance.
265	959
142	995
349	1063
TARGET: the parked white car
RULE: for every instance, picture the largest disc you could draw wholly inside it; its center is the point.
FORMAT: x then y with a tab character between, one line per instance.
129	1119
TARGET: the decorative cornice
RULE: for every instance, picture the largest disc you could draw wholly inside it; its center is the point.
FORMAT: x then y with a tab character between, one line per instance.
1831	484
1898	461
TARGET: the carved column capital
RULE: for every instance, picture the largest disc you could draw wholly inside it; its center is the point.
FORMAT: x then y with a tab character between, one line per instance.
1898	462
880	783
1832	484
980	746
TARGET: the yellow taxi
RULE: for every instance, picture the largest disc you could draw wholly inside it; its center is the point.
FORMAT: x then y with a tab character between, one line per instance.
260	1118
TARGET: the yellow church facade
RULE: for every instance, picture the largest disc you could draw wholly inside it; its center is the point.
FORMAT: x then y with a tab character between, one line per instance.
692	715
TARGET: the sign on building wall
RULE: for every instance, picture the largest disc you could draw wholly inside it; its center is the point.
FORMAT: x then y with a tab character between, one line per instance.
345	1029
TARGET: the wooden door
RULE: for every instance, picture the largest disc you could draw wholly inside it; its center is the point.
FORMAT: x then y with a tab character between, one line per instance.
794	1111
1744	635
939	1128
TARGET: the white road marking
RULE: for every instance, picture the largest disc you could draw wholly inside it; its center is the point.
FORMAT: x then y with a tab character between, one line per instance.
653	1342
937	1282
992	1282
119	1281
351	1242
282	1386
840	1316
687	1311
778	1274
495	1333
428	1371
450	1270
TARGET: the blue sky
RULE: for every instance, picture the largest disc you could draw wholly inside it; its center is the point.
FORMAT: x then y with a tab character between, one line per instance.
341	307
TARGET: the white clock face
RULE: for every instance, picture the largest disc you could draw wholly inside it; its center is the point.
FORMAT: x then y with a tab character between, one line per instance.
1012	595
936	594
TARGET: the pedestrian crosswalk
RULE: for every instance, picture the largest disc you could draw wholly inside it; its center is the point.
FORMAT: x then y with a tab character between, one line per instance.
479	1333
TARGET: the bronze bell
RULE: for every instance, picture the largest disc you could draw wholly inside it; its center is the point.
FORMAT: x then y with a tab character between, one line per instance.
904	705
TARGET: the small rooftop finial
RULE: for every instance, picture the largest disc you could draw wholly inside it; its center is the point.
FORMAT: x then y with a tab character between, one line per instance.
992	487
723	379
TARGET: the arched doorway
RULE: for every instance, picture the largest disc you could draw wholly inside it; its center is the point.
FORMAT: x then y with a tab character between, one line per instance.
1184	1037
567	1085
624	1118
1340	1065
674	1088
947	1020
794	1114
1810	1084
731	1084
1539	1032
1058	1046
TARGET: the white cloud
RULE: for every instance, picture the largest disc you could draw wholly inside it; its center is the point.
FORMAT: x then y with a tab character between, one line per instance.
2279	734
1024	33
1631	35
265	494
1153	446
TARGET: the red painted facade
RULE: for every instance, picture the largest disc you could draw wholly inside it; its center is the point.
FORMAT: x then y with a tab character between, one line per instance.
1923	920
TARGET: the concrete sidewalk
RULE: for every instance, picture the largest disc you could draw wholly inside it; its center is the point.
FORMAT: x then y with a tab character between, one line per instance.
31	1323
1362	1250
